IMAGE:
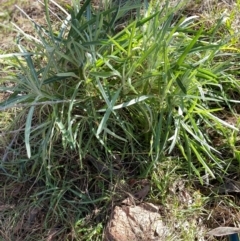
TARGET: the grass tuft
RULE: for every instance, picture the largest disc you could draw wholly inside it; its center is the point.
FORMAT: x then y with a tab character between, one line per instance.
114	92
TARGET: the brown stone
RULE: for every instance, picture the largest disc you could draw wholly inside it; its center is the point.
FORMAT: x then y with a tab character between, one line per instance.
135	223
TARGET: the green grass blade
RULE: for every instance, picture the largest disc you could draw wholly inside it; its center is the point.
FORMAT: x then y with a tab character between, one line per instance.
28	130
111	103
129	103
189	47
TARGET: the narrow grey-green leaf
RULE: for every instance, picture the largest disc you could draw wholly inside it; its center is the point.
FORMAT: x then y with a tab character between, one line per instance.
28	130
108	112
223	231
126	104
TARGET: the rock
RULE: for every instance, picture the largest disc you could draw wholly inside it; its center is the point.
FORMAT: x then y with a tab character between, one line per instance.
135	223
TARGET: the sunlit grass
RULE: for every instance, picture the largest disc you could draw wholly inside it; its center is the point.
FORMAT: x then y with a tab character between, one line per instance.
97	103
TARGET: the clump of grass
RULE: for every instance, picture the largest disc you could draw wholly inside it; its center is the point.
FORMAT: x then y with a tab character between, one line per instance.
100	103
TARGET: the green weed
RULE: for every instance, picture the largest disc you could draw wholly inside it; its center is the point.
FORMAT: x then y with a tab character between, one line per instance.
103	98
